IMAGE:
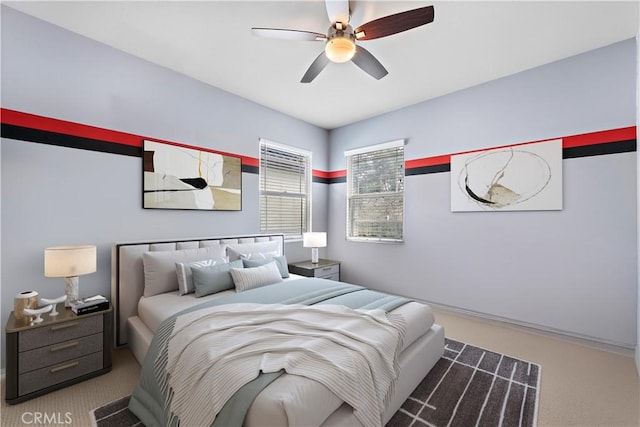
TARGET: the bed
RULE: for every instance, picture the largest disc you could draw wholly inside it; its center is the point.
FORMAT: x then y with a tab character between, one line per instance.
145	300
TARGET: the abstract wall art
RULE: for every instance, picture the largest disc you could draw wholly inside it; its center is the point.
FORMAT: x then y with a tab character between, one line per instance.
516	178
183	177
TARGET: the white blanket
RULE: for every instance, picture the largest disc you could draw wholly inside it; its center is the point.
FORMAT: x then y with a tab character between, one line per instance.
213	352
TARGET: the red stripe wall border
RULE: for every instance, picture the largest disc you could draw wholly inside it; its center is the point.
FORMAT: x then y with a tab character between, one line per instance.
572	141
581	140
48	124
601	137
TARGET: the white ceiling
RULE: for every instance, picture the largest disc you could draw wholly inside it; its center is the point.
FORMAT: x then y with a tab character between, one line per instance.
468	43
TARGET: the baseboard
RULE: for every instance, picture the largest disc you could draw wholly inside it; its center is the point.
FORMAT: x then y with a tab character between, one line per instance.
638	358
612	347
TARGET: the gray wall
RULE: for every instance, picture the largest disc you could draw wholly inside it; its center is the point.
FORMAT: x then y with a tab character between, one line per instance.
572	271
56	196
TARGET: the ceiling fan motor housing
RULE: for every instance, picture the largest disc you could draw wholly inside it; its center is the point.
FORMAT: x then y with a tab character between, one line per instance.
341	43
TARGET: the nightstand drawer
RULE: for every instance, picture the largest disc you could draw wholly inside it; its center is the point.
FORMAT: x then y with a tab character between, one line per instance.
59	352
327	271
334	276
59	332
55	374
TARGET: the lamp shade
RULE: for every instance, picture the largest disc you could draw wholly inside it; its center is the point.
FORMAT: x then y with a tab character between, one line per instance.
314	239
69	261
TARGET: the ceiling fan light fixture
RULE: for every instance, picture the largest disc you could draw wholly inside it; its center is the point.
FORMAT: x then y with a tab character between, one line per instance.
340	49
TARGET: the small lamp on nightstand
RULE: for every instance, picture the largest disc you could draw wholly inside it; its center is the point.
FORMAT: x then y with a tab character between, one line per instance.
314	240
69	262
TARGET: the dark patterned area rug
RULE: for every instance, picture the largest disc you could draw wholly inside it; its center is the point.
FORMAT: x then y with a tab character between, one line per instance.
469	386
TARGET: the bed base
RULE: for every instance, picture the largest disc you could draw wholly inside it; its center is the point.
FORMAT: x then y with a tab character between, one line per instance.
139	338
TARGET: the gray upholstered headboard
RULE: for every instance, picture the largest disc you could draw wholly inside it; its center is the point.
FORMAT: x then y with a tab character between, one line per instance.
127	271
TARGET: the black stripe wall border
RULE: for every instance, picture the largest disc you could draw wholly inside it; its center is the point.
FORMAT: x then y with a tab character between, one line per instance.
62	140
617	147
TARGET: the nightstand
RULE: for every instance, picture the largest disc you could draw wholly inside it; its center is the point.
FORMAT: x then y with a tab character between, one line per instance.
324	269
55	353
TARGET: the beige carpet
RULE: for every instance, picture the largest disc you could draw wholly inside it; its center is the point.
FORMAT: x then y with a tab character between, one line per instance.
581	386
76	400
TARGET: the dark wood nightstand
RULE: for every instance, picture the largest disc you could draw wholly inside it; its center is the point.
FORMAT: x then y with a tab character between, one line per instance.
56	353
324	269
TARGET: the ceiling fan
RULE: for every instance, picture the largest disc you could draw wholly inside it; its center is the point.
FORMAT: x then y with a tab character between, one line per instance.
340	40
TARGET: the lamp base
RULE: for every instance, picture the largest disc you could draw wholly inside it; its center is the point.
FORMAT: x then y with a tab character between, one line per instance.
314	255
70	290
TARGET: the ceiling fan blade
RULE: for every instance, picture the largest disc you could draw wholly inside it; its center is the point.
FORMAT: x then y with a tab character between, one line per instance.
279	33
318	65
338	11
369	64
393	24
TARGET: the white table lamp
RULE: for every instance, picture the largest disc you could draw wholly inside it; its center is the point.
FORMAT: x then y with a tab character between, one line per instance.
314	240
69	262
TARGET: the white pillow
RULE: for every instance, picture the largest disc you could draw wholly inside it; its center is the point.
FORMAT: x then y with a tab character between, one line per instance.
185	277
236	251
160	267
250	278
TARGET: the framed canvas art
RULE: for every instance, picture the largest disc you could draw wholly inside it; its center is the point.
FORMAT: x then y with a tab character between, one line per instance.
183	177
516	178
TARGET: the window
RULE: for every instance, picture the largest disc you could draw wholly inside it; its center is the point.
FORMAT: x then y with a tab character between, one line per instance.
285	189
375	192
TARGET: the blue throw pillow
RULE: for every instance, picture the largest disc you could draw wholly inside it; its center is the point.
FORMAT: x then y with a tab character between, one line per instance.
281	262
215	278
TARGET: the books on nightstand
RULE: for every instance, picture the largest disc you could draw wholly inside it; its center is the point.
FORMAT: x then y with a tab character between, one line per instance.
89	304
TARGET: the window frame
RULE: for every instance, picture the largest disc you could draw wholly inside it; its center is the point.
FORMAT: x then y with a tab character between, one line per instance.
350	195
308	179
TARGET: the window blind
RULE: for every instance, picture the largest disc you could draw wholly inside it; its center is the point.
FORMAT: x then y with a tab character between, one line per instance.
375	192
285	186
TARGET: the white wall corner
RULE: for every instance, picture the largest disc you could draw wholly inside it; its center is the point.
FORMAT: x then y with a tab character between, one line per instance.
638	193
